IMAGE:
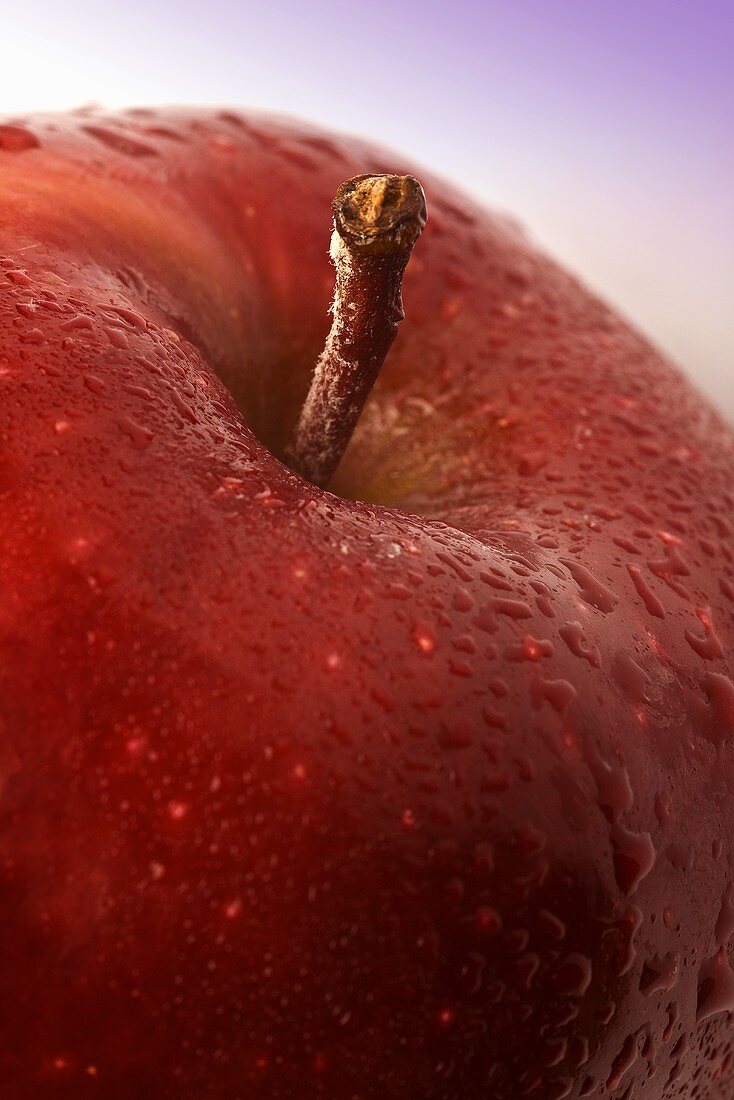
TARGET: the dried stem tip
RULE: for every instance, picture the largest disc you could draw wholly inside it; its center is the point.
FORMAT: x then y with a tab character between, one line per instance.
380	215
377	220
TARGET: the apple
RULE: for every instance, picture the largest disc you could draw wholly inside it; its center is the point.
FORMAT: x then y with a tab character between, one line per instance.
416	785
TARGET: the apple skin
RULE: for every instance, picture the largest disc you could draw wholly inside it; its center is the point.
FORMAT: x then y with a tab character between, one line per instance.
302	796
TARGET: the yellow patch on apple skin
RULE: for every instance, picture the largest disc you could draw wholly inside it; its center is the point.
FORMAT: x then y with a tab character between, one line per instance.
389	485
109	222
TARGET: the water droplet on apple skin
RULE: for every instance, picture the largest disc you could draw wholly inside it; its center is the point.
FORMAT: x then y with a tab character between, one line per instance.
17	139
632	679
715	987
120	142
715	714
592	590
117	338
574	636
139	435
614	788
634	857
709	646
660	973
725	920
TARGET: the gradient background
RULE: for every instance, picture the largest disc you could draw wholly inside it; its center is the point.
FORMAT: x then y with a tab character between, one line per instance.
607	127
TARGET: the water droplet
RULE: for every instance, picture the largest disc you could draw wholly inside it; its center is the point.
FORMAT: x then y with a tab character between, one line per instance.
575	638
623	1062
709	646
119	142
493	717
525	969
80	321
513	609
139	435
303	160
495	580
182	406
117	337
591	589
614	787
623	932
16	139
725	922
32	336
717	717
530	649
554	1051
230	487
715	987
488	920
458	735
456	565
648	597
630	677
573	977
558	1088
530	464
672	564
222	144
462	600
130	317
555	926
543	599
559	693
659	972
19	278
634	857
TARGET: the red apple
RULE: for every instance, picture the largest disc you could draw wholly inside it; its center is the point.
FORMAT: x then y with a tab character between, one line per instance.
417	788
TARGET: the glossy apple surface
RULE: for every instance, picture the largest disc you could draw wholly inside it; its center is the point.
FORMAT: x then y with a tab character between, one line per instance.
302	796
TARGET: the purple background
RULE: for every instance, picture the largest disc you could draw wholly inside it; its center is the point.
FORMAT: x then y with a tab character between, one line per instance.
607	127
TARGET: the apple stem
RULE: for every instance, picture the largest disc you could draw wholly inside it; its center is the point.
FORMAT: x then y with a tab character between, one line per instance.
377	220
